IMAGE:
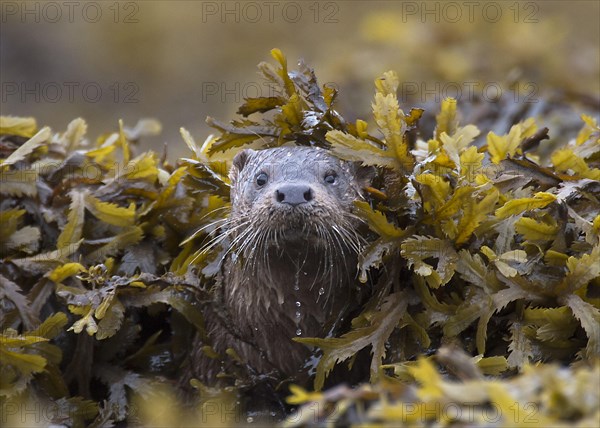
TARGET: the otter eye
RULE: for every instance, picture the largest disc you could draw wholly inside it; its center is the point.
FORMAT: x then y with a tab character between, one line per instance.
261	179
330	177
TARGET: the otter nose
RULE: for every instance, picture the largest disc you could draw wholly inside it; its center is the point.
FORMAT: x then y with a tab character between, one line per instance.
294	194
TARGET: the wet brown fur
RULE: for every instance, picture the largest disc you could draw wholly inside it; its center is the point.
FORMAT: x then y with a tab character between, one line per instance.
289	270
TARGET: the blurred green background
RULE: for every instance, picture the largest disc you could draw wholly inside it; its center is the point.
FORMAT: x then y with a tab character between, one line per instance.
180	61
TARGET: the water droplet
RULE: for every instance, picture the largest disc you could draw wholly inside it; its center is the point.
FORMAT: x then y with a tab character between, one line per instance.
249	419
298	314
305	273
363	276
321	291
299	332
296	287
298	304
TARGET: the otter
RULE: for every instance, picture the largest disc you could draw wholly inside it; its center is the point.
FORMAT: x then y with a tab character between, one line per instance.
290	263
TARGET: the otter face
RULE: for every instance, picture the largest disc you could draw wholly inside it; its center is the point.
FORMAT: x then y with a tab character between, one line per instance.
293	193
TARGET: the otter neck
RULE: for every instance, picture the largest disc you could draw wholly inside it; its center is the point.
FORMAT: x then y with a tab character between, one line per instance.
300	285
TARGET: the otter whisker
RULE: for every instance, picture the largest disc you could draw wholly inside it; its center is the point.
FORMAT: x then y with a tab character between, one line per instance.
253	246
348	240
235	241
267	237
320	275
215	211
327	259
219	222
214	241
345	232
246	237
330	265
219	238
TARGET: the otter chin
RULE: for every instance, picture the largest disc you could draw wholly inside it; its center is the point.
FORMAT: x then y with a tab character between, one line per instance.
290	259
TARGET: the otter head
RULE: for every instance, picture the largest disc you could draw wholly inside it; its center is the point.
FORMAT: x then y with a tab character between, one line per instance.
290	195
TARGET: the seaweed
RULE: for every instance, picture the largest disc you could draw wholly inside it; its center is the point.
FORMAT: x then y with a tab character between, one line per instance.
484	261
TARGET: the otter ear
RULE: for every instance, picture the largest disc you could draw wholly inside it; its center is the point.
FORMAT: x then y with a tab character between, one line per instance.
239	162
364	174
